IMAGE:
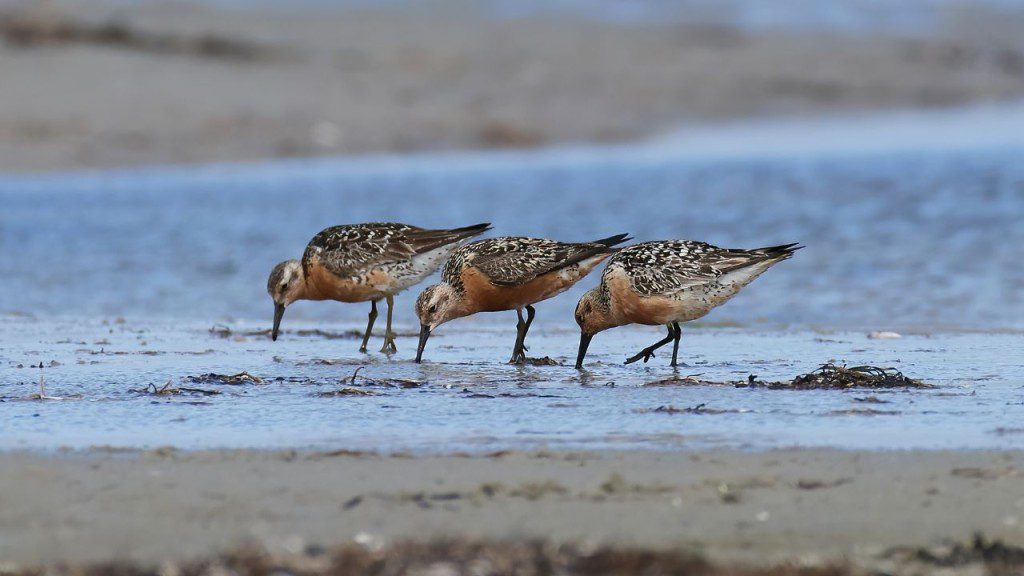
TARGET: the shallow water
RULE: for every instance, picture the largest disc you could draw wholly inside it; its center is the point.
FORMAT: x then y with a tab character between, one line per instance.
466	399
895	240
921	239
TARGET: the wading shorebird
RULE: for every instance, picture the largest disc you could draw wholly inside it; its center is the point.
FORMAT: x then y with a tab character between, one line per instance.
668	282
360	262
509	273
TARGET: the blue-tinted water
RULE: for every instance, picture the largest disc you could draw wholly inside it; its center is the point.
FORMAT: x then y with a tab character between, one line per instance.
927	242
466	399
894	241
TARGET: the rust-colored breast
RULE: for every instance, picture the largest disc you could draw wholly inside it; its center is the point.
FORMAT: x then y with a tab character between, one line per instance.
633	308
483	296
323	285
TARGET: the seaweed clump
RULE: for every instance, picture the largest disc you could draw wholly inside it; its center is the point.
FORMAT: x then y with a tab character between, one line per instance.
831	376
233	379
998	556
455	557
827	377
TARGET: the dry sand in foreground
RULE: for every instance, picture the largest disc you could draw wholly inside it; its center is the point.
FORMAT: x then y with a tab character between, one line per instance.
805	505
86	85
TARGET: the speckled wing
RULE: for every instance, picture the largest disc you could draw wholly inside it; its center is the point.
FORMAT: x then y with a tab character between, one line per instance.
351	249
513	261
667	267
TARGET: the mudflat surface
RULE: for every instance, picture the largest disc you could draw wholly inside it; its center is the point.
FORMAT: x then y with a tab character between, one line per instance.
143	385
816	505
124	84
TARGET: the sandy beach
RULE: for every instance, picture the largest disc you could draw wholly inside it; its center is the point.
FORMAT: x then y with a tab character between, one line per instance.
813	506
120	84
150	426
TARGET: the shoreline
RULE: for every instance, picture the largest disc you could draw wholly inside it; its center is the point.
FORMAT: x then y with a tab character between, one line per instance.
727	506
179	85
970	129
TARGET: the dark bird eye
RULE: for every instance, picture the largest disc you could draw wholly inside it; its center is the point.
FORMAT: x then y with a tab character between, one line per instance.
432	309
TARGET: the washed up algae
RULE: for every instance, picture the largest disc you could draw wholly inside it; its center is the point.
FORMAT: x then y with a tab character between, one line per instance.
829	376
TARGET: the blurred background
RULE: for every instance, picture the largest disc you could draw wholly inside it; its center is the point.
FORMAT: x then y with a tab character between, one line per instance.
157	157
97	84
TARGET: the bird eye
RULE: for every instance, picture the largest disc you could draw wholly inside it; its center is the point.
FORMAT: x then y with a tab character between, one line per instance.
432	309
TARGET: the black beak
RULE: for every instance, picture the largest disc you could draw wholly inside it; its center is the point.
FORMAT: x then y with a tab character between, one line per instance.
278	313
424	335
584	344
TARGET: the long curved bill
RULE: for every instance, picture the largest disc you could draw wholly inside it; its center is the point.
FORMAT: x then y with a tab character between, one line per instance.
278	313
584	344
424	335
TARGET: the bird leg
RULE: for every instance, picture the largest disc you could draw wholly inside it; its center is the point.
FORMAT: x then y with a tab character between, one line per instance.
675	344
389	336
648	353
530	313
522	327
369	324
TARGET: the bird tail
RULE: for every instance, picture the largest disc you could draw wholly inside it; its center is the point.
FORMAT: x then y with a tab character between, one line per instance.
427	240
612	241
778	253
469	231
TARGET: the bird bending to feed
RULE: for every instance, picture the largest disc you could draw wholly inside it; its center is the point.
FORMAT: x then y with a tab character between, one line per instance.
668	282
360	262
509	273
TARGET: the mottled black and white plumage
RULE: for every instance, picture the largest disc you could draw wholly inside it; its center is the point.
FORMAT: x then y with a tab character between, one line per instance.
514	260
507	273
364	262
401	250
670	266
668	282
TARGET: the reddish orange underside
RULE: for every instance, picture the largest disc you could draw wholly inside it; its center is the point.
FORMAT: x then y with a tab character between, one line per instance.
322	285
637	309
483	296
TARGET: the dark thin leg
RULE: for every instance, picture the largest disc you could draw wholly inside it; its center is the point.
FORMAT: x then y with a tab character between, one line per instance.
648	353
369	324
389	336
517	348
530	313
522	327
675	344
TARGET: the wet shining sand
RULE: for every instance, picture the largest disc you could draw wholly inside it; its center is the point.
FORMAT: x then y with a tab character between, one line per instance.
809	505
466	448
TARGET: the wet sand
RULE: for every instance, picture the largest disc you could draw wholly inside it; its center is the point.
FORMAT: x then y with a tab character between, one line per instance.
130	85
812	506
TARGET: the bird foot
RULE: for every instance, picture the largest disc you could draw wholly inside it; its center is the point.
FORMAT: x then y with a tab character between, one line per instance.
645	355
389	344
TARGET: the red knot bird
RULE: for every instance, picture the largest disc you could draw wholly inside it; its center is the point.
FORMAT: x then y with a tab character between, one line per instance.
360	262
509	273
668	282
